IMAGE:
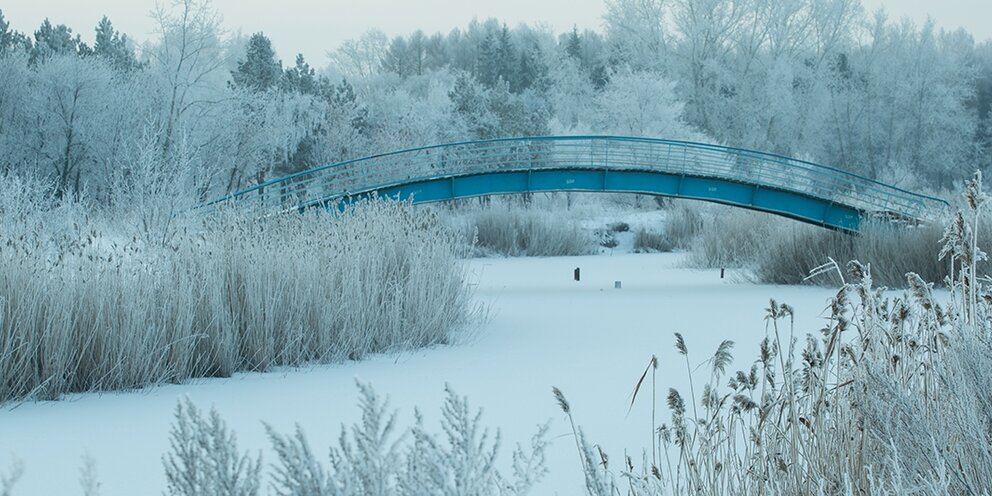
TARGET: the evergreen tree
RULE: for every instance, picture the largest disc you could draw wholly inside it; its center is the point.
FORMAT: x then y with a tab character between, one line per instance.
301	78
112	46
6	35
471	106
506	56
260	70
342	98
532	72
497	59
573	44
487	65
54	40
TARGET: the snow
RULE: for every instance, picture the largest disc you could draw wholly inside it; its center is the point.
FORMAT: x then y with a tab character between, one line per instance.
543	329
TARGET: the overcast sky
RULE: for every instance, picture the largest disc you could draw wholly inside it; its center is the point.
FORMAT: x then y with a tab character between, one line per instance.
313	27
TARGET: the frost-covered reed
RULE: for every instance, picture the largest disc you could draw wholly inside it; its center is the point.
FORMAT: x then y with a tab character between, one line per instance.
89	303
780	251
511	228
892	396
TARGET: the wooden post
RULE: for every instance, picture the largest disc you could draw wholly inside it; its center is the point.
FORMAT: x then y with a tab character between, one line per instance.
576	273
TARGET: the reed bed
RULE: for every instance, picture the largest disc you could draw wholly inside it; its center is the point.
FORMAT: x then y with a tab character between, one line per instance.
86	303
892	396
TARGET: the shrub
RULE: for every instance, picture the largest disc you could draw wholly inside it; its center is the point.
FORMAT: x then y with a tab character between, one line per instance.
371	457
204	459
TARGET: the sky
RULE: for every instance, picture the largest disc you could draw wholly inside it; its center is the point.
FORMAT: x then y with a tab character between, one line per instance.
315	26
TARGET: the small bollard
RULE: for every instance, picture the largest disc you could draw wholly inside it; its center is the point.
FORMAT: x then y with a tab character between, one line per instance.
616	284
576	273
721	273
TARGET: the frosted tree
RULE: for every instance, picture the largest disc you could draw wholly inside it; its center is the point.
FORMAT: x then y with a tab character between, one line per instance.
641	104
301	78
114	46
470	105
52	40
899	103
11	40
69	97
417	113
704	30
414	56
636	32
362	59
187	63
571	97
15	112
259	70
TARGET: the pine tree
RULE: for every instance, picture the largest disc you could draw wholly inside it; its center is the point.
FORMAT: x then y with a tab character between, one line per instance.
113	46
301	78
506	56
260	70
12	40
487	65
54	40
6	35
573	44
531	73
470	104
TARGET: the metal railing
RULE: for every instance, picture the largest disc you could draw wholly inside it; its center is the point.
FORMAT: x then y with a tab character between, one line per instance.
335	182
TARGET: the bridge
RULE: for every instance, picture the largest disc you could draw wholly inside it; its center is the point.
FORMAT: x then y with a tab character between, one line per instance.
805	191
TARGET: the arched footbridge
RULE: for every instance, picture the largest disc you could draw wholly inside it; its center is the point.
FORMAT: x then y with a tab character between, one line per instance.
790	187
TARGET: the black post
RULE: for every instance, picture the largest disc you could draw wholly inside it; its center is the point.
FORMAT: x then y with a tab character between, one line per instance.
576	273
721	273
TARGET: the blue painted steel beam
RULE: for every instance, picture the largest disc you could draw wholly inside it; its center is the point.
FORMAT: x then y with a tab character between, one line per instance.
803	208
790	187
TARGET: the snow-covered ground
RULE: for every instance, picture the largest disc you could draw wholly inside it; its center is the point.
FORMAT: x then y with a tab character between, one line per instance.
543	330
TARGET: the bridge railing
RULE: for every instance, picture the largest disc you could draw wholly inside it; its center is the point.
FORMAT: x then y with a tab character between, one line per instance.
337	181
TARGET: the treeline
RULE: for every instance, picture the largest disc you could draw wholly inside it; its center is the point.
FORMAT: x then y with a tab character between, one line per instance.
817	79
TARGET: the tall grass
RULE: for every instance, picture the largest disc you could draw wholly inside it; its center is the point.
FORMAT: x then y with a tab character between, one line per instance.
891	397
683	224
515	229
893	250
783	251
87	303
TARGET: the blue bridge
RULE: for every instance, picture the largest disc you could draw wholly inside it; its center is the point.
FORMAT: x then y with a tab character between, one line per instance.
809	192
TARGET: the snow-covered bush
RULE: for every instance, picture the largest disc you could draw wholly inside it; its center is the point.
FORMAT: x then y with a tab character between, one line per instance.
9	478
92	302
372	457
204	459
891	398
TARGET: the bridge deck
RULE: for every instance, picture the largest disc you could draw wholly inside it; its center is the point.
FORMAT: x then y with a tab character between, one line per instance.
786	186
